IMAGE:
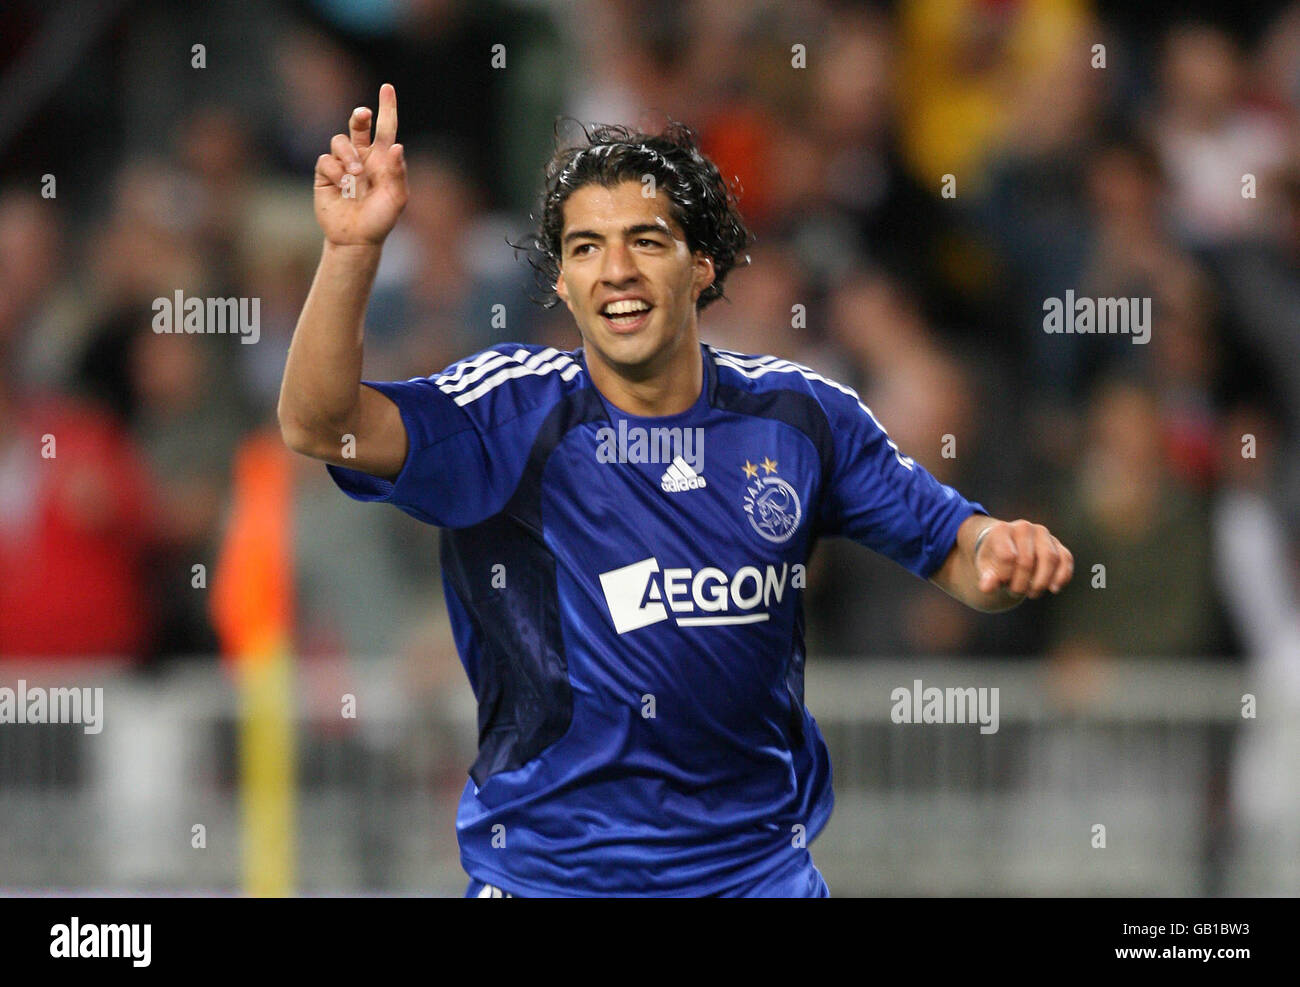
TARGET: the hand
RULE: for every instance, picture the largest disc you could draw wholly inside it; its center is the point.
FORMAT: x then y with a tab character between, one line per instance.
1023	557
361	186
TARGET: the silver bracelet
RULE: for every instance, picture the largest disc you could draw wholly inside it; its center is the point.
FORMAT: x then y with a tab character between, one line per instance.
979	538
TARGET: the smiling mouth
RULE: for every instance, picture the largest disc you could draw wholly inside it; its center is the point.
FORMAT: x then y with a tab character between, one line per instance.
626	315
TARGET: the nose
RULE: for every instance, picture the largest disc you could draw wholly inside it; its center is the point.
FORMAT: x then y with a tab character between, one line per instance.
619	266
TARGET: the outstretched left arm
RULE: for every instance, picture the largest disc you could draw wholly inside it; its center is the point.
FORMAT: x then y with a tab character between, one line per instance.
1015	559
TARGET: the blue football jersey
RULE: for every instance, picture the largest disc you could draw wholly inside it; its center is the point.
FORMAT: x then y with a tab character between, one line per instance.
626	597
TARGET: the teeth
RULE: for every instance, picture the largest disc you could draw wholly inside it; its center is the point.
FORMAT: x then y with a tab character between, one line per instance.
626	307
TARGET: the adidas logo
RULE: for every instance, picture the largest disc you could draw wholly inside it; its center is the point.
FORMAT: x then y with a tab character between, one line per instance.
679	477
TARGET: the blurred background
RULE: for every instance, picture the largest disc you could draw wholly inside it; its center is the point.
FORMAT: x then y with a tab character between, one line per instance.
1110	149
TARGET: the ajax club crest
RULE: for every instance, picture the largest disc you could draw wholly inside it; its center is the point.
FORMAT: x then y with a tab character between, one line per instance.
771	504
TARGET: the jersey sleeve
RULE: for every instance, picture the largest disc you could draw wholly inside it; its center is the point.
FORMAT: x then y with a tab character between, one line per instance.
469	432
882	499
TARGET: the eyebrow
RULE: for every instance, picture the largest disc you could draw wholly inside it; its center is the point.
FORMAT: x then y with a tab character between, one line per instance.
627	231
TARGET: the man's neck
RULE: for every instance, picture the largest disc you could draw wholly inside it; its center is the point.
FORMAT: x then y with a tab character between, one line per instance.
668	390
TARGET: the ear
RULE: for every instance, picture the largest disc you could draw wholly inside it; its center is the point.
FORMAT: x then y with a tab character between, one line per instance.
703	274
561	289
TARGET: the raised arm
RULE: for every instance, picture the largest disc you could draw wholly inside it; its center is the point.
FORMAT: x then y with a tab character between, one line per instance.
360	192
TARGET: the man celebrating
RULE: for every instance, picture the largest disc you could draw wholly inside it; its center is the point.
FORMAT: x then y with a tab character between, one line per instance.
632	628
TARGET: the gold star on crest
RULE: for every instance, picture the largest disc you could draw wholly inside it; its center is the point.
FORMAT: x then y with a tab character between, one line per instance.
768	464
750	469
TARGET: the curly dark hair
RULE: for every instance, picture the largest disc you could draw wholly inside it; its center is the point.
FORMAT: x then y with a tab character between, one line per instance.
701	201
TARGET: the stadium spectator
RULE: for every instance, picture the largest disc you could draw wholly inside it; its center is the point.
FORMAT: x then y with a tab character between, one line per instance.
76	508
1146	529
1210	140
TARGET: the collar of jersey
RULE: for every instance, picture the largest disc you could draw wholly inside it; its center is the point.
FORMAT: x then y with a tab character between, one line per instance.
701	406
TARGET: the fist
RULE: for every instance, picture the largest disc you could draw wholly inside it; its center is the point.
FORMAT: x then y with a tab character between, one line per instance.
361	185
1022	557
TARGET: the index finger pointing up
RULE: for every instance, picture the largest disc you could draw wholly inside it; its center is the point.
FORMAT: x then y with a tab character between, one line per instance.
386	126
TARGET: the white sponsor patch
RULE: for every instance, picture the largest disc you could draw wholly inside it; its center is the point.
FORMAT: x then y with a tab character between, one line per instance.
643	593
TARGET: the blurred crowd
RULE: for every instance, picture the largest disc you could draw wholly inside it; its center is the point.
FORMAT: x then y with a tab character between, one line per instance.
920	177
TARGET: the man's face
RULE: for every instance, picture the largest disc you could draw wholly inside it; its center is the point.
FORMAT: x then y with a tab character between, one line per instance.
617	244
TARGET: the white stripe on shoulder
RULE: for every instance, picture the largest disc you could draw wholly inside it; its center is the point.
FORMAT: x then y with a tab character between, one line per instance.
746	358
465	366
755	368
492	362
497	361
536	365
